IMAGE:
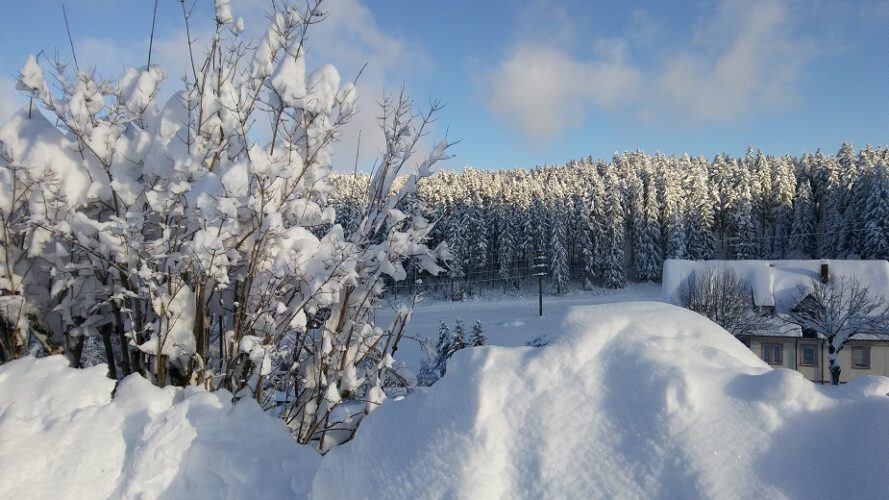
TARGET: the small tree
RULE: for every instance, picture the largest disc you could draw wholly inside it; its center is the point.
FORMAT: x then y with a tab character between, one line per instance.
839	310
478	335
458	341
723	298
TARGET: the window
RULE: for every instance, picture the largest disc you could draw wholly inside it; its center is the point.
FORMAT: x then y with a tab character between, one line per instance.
808	355
861	357
773	354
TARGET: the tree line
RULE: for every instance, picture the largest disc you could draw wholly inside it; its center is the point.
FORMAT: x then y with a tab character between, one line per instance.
596	223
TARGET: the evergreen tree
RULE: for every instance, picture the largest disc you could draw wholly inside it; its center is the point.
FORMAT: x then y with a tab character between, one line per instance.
508	246
558	252
443	349
672	219
478	335
829	197
783	192
699	216
458	340
802	231
876	229
648	251
613	272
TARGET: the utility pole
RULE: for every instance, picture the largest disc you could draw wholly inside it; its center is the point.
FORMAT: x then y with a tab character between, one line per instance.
539	269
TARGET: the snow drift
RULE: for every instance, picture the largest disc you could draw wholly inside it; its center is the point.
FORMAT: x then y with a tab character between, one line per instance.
634	400
640	400
62	436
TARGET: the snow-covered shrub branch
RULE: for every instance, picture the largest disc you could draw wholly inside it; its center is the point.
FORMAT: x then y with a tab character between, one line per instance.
199	252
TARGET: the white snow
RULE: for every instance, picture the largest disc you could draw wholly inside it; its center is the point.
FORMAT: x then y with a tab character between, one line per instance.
638	400
62	436
628	400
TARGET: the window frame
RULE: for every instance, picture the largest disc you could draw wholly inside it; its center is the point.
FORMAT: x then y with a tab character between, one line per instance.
860	348
768	349
802	356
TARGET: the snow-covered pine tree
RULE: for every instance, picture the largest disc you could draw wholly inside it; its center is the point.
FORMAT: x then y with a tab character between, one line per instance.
802	241
783	191
508	245
698	213
478	335
743	241
613	271
764	211
443	348
649	253
458	340
559	273
672	207
876	229
829	195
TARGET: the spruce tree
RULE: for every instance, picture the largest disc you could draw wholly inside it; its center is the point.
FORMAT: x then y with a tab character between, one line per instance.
558	252
876	229
478	335
802	241
458	340
443	348
613	273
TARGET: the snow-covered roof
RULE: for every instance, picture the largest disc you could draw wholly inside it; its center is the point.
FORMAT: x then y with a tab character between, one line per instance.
780	328
780	283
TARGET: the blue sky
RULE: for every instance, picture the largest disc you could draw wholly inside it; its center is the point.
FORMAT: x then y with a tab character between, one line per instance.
536	82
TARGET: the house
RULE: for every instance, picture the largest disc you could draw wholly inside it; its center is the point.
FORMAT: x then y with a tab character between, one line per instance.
780	285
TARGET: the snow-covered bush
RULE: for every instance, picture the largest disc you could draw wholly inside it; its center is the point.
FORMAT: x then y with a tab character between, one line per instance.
197	252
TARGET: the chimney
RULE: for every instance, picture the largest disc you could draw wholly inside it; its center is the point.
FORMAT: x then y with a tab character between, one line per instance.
825	272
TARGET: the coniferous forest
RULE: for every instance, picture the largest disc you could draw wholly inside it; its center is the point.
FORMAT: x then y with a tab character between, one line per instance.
591	223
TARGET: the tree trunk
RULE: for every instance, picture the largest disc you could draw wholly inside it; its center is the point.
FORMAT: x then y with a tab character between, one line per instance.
124	342
833	363
109	351
78	352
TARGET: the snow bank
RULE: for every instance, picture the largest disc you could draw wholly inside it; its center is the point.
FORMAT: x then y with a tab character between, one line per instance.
631	400
640	400
779	282
62	436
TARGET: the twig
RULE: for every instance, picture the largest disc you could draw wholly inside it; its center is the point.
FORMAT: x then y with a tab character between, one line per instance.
151	38
70	40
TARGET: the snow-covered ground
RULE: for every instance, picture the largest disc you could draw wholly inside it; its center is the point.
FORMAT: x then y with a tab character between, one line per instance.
506	320
628	400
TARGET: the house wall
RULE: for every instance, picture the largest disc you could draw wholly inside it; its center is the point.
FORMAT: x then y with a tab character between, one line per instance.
792	356
788	361
879	360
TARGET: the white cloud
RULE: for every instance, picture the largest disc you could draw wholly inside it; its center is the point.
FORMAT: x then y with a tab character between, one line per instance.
541	90
745	58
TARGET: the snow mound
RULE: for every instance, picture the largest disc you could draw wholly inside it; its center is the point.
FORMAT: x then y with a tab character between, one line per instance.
637	400
63	436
